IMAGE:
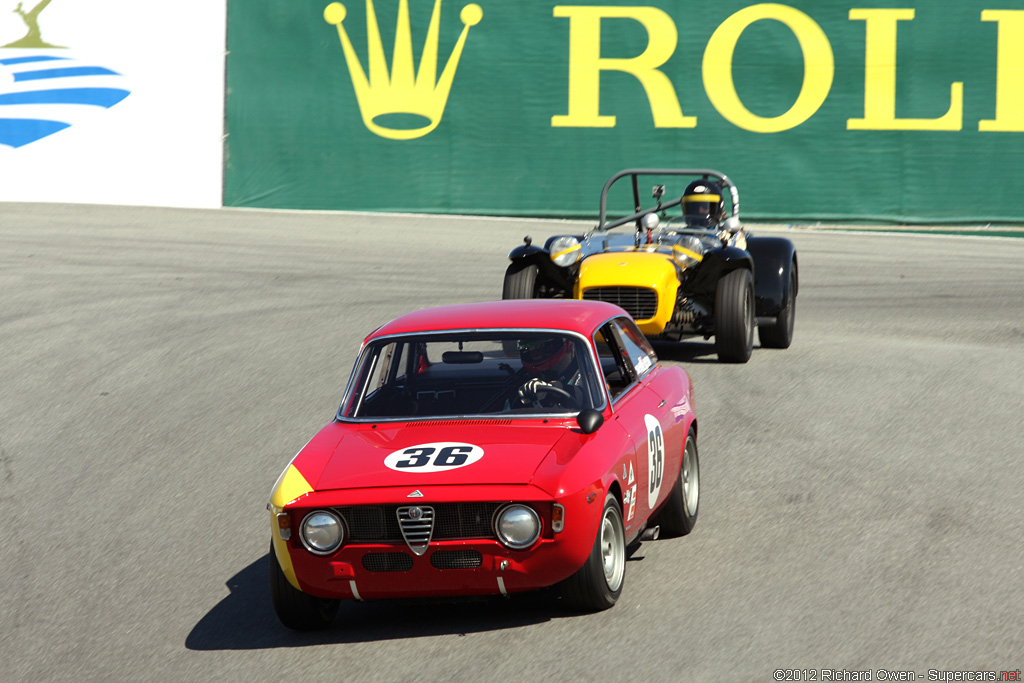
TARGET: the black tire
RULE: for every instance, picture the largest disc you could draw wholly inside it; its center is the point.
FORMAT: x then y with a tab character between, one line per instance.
680	512
297	610
520	281
598	583
779	335
734	316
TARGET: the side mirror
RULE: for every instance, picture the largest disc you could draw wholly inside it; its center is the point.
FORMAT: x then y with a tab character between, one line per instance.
589	420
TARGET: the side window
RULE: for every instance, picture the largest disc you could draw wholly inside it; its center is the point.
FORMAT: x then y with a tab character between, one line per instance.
616	373
635	347
385	368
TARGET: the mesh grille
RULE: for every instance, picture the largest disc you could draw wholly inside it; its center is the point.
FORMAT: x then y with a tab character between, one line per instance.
452	521
456	559
387	562
640	302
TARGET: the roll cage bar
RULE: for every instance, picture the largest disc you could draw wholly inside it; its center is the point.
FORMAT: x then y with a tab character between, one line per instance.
634	174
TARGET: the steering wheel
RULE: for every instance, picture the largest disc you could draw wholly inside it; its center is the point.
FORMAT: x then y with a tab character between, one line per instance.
551	389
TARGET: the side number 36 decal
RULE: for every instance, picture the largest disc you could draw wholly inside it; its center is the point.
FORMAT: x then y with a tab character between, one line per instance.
655	459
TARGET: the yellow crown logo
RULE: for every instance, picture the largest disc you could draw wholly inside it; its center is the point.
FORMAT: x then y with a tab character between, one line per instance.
401	92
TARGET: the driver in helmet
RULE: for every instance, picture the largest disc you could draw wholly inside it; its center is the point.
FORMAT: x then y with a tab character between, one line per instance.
551	362
703	204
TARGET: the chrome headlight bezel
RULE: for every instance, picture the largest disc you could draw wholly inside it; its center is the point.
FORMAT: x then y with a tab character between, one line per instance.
565	251
326	536
517	526
688	251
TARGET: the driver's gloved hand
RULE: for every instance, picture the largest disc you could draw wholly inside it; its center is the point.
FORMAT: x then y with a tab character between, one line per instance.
528	392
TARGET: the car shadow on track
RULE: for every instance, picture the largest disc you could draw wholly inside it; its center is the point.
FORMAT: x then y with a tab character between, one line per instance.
245	620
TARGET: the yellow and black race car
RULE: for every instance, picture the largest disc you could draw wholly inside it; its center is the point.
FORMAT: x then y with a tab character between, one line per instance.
696	273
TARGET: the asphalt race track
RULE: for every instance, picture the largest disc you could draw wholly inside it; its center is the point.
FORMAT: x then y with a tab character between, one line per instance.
862	496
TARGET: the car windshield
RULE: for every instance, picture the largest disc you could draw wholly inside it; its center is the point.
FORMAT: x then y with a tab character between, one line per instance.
466	374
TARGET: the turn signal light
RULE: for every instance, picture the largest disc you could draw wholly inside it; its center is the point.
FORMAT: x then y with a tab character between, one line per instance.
284	525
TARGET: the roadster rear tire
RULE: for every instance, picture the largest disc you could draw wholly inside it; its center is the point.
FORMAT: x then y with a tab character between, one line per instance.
297	610
779	335
598	583
680	512
734	316
520	281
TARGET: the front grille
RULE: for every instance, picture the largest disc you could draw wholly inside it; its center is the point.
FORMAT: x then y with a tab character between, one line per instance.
387	562
452	521
417	526
456	559
640	302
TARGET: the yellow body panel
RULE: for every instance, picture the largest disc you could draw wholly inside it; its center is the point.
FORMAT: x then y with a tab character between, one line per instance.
649	269
290	486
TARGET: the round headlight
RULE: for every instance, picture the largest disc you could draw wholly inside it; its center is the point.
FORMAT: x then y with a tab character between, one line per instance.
517	526
688	251
321	532
565	251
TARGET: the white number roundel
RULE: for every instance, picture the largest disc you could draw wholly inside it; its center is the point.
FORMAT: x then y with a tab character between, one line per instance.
434	457
655	459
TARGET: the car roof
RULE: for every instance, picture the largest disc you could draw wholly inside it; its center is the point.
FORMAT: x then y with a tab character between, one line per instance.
573	315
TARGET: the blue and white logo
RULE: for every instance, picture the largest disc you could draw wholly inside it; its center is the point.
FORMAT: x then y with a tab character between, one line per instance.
45	91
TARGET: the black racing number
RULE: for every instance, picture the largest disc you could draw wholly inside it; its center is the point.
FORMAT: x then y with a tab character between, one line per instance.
420	457
453	456
449	456
656	447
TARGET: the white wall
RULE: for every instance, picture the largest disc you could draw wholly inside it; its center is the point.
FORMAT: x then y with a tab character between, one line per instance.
159	146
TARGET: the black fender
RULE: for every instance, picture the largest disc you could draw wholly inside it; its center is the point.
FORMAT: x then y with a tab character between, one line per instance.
527	251
531	254
774	261
713	267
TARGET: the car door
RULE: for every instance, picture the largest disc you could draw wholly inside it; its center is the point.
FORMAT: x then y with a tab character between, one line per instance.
639	411
672	386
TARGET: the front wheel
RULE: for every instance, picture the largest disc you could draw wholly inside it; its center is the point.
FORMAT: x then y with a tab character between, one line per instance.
520	281
297	610
680	512
734	316
598	583
779	335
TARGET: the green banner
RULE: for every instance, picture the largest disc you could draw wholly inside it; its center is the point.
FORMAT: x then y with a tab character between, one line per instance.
817	110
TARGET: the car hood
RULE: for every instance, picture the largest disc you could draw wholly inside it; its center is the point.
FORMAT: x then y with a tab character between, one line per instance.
451	452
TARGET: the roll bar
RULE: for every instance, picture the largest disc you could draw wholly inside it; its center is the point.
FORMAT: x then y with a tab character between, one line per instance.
634	175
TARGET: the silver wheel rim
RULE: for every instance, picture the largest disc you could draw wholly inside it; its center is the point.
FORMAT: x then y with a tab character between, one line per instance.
691	479
613	550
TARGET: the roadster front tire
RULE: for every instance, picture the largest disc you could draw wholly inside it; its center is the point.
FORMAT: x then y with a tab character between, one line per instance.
779	335
520	281
734	316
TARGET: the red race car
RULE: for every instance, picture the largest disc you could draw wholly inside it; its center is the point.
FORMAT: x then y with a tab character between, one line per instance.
487	449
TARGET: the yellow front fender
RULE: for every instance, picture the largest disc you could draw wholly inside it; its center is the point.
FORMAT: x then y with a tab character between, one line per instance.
629	279
289	486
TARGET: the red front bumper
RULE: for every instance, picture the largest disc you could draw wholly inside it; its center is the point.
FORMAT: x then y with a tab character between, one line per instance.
367	572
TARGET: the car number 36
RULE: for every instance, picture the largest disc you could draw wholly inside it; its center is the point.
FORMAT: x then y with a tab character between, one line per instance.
655	459
433	457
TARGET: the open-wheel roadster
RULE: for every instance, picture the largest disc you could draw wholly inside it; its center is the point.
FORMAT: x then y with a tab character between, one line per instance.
695	273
